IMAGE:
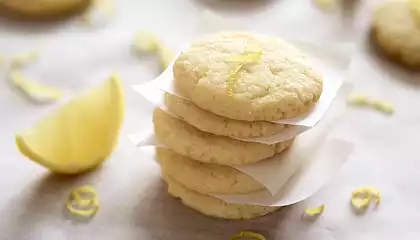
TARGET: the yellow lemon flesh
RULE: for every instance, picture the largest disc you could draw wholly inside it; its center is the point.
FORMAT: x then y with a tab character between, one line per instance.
79	135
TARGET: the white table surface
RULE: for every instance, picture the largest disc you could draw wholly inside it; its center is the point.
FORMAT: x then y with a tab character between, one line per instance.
134	201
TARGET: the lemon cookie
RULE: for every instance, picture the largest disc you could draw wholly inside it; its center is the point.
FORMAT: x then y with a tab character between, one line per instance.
215	207
248	77
206	178
188	141
396	29
209	122
43	8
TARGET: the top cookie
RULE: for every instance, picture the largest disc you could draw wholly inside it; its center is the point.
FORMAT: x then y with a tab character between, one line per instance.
275	81
396	27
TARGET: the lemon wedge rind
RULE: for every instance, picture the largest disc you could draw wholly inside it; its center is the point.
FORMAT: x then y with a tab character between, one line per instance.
79	135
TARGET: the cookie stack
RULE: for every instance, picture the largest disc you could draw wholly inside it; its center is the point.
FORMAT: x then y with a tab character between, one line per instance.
236	85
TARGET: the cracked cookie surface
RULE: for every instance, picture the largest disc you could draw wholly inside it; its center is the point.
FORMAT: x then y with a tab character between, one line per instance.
282	83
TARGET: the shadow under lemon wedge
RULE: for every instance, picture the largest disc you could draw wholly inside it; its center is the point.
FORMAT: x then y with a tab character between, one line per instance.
79	135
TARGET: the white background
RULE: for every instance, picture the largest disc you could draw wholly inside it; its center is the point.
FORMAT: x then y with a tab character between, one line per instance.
134	202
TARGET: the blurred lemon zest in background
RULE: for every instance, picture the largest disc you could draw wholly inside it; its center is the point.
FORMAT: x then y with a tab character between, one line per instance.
325	4
247	234
21	59
146	42
36	91
362	100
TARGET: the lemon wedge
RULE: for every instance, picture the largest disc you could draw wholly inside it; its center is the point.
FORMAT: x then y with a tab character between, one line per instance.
79	135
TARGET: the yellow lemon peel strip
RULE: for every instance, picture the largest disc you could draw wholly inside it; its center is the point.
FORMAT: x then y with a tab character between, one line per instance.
165	54
358	100
315	211
325	4
362	196
246	58
75	200
147	41
19	60
36	91
247	234
232	79
379	105
382	106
